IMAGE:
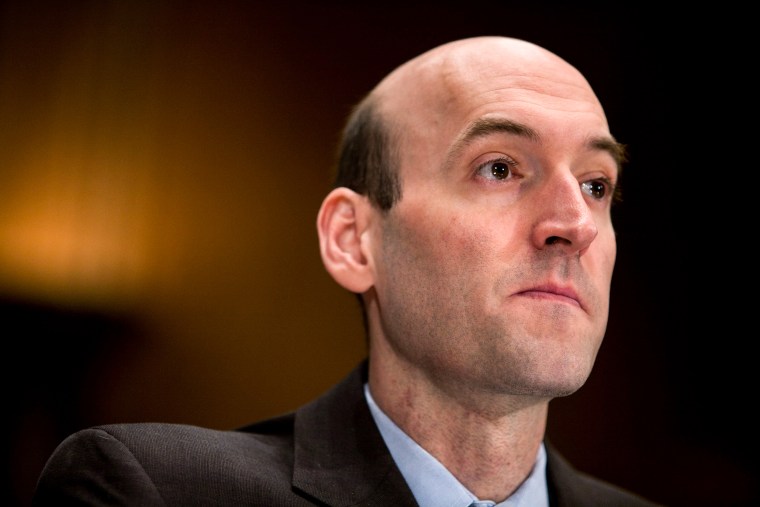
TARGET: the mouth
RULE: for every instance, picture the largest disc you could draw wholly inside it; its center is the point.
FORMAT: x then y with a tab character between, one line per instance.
553	293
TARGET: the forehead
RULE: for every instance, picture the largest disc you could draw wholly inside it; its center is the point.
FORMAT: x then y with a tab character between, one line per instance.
431	101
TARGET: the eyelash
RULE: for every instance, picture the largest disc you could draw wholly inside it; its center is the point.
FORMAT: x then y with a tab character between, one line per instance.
610	189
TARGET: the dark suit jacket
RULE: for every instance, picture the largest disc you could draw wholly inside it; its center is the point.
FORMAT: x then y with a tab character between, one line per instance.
328	452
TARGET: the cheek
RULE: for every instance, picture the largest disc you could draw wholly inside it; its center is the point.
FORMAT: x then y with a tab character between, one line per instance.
609	255
599	265
453	243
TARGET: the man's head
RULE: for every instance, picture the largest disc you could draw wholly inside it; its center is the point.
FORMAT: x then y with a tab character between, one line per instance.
472	214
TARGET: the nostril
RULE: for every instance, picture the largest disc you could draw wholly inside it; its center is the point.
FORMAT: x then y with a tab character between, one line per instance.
553	240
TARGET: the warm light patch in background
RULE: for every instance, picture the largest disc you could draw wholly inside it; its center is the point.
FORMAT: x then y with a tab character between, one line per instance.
157	167
74	230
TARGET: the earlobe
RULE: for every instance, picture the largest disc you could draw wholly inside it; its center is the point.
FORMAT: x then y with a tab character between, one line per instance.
342	224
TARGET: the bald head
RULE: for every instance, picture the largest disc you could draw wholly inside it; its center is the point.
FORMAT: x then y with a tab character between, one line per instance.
440	74
418	110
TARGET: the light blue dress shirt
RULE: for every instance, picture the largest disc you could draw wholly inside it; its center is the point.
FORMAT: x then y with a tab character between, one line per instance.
434	486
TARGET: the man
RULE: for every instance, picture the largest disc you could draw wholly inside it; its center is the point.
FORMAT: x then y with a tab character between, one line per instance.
472	217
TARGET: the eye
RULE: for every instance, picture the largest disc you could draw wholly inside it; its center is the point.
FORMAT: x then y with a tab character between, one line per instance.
598	189
499	169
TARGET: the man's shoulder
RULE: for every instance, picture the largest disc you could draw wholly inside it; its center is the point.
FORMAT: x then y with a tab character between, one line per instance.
165	440
159	463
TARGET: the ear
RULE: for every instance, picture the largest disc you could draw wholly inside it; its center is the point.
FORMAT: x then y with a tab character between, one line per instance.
342	224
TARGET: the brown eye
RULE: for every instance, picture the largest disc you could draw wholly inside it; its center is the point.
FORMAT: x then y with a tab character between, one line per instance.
595	188
500	170
497	169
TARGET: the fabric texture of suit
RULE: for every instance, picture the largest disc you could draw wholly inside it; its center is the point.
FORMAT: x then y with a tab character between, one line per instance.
328	453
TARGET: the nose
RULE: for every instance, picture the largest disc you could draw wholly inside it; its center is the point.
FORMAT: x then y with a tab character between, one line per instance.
564	220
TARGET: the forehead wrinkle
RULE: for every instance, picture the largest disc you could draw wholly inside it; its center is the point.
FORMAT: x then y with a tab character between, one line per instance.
483	127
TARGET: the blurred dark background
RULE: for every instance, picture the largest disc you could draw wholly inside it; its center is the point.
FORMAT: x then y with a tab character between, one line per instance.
161	167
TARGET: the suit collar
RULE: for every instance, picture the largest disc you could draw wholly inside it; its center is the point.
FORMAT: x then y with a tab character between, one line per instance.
340	456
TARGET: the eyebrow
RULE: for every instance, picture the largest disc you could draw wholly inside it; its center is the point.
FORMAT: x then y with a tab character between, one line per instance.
488	126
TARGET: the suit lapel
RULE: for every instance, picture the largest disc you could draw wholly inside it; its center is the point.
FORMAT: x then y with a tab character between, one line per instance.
566	488
340	456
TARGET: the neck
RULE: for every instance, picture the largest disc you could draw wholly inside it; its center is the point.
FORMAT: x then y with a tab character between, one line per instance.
488	441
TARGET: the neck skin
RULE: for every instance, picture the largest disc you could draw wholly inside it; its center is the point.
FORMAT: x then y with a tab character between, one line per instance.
488	441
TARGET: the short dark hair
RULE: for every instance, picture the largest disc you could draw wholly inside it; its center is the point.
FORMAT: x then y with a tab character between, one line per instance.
367	157
368	164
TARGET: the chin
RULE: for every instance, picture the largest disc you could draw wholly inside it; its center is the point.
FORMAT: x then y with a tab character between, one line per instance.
562	391
568	383
558	380
550	383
